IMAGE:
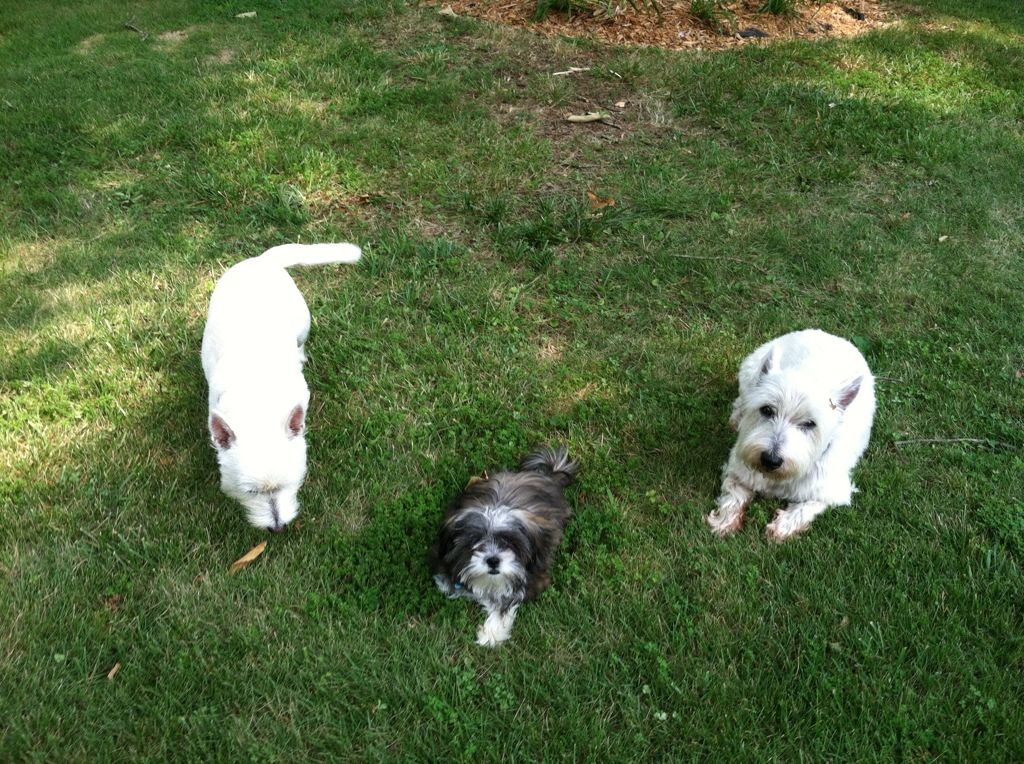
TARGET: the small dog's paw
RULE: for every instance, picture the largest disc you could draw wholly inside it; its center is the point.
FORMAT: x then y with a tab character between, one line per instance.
725	523
490	637
446	587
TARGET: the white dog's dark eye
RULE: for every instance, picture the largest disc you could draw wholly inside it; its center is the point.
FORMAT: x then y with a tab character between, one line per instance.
767	411
810	424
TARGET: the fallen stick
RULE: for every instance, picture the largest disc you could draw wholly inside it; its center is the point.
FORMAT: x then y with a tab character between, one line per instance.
129	25
977	441
593	116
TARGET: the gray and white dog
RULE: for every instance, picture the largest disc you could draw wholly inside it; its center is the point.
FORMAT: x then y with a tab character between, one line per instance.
803	417
499	536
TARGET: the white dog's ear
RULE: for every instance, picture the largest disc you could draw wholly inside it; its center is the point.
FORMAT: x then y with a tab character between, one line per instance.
849	392
296	421
737	414
222	435
770	360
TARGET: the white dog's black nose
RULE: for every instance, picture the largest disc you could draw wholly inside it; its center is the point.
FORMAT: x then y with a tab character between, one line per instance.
771	461
493	562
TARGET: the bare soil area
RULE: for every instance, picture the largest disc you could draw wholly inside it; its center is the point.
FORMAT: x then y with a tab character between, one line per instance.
676	28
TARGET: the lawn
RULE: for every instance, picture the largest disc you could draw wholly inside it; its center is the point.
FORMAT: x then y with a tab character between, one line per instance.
872	187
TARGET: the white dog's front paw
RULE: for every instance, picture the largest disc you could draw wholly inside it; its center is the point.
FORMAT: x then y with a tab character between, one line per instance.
489	636
725	522
778	530
796	519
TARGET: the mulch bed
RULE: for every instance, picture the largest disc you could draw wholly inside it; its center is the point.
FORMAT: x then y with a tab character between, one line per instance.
677	29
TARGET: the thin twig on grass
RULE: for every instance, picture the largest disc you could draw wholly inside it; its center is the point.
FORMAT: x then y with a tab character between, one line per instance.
590	117
142	34
593	116
976	441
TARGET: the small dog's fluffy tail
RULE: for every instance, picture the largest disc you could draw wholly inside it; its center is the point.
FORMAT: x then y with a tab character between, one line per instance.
553	462
287	255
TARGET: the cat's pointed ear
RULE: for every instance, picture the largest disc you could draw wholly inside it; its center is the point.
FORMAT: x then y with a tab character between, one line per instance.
220	433
296	421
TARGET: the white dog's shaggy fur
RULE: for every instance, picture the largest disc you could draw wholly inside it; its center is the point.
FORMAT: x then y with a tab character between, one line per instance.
253	355
804	413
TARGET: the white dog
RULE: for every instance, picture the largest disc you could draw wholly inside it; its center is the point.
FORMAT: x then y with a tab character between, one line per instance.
803	415
253	356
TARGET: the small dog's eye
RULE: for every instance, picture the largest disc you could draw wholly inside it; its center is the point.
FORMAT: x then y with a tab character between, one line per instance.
810	424
767	411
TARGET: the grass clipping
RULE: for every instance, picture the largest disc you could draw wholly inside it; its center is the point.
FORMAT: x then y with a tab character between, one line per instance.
248	558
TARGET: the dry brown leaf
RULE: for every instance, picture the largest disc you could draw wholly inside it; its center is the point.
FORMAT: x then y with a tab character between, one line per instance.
246	559
113	672
476	479
597	203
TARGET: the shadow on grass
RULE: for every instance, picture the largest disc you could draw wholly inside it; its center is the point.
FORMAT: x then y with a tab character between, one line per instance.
42	362
999	13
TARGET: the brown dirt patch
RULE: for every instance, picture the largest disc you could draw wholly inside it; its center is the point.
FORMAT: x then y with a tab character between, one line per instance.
175	36
225	56
677	29
565	402
90	42
550	351
324	203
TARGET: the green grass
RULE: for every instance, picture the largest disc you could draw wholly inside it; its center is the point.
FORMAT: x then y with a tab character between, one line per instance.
714	13
871	187
779	7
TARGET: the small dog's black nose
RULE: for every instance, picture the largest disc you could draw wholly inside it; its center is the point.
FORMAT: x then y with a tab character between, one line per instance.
493	562
771	461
